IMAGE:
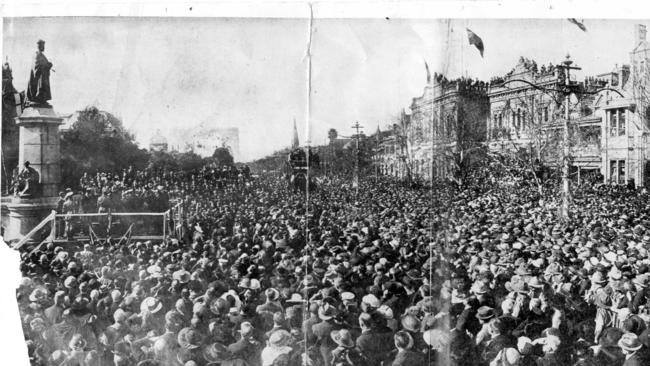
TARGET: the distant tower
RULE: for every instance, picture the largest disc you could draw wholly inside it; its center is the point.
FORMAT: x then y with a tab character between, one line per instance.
295	143
158	142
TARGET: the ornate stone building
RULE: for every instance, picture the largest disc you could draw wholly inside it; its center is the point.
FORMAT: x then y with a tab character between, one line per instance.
529	119
439	137
447	126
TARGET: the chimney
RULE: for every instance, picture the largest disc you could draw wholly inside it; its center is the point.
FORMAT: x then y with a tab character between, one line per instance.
639	34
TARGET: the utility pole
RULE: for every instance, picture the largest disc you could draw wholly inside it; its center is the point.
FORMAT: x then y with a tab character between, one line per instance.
566	87
355	178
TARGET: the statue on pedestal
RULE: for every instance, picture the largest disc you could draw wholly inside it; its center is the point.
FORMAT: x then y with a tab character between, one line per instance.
38	89
27	182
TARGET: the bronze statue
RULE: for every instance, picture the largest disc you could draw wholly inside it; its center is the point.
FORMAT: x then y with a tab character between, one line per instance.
38	89
27	182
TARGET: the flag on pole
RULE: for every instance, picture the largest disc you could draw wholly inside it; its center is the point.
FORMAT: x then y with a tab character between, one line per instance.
579	24
426	66
475	40
295	143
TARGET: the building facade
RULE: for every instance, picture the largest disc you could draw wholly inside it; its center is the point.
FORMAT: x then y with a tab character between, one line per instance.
439	137
523	113
527	114
625	117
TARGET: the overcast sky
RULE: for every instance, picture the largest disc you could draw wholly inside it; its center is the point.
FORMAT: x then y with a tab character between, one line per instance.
164	73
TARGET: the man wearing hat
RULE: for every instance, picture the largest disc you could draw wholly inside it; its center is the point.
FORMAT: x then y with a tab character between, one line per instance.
373	344
68	209
484	314
247	347
600	296
345	353
635	353
500	338
327	313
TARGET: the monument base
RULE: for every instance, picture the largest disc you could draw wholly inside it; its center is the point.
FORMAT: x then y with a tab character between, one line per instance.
25	214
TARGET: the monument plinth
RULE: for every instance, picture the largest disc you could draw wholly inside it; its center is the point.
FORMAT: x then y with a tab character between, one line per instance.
39	144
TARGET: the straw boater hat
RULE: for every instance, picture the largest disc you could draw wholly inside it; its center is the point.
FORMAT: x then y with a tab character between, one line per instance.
189	338
343	338
485	313
151	305
410	323
598	277
280	338
327	312
630	342
181	276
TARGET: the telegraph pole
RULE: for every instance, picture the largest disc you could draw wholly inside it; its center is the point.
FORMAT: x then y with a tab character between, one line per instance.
566	88
355	178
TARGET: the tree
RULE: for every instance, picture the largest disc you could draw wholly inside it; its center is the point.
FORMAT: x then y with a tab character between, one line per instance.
469	148
162	161
332	134
97	141
222	156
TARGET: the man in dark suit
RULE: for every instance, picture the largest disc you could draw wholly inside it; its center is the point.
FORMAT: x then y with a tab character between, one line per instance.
635	353
374	346
247	347
499	339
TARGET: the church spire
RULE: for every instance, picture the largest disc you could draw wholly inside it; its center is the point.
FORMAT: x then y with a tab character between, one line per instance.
295	143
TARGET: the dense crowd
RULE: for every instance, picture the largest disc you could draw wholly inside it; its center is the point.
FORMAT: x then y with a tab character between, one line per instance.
486	274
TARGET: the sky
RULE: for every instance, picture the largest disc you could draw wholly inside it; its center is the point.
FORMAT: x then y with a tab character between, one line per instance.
252	73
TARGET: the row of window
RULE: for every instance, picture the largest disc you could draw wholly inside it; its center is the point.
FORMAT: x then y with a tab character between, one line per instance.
616	120
518	118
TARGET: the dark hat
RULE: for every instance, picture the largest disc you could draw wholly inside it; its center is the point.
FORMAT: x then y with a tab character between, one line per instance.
40	41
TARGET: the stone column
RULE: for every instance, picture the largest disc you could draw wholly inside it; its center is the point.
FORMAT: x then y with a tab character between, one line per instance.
39	144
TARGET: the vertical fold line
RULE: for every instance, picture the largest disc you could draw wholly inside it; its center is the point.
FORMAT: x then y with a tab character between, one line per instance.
307	180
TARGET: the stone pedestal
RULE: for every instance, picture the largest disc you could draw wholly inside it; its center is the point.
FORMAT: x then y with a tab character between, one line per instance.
25	214
39	143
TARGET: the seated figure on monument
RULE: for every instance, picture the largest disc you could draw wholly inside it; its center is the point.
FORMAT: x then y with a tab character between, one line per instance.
38	89
27	182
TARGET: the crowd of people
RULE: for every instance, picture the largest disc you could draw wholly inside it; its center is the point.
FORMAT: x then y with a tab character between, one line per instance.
483	274
133	191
